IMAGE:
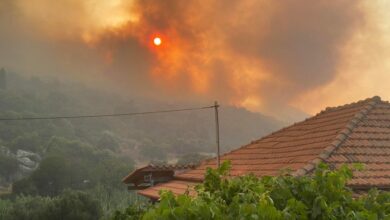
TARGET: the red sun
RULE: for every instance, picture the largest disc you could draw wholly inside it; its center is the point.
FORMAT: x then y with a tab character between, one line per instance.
157	41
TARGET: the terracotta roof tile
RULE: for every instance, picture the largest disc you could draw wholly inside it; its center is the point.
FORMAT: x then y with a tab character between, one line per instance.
137	174
374	130
376	123
362	158
365	183
176	186
353	133
357	150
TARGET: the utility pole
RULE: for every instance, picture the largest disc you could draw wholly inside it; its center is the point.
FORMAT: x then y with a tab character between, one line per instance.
217	132
3	79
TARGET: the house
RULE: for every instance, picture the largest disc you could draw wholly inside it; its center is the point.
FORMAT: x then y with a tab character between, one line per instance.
153	174
352	133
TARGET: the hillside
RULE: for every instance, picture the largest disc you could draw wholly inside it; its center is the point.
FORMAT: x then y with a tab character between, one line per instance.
145	137
44	157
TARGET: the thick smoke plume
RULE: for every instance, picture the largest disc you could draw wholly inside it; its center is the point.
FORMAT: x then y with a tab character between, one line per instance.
248	53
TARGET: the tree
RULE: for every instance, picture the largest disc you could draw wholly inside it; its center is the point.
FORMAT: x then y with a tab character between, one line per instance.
111	171
24	186
27	141
108	141
52	176
75	205
70	205
8	166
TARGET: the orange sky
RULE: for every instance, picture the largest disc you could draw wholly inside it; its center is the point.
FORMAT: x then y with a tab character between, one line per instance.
263	55
365	68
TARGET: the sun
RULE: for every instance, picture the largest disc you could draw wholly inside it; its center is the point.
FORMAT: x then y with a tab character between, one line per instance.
157	41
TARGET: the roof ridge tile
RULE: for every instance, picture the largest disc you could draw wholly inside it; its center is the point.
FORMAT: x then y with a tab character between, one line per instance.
376	99
342	135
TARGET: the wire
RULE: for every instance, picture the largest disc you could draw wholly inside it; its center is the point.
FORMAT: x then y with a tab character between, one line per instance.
107	115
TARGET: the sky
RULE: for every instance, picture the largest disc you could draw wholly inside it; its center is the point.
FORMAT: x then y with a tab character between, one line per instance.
275	57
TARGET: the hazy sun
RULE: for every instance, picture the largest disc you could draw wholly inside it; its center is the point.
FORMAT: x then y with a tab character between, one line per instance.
157	41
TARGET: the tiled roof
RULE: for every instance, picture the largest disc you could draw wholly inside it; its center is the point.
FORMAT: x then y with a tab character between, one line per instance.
353	133
138	173
176	186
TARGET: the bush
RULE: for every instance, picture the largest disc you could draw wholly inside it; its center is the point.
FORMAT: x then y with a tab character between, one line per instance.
111	199
8	166
27	141
28	207
108	141
5	206
72	205
53	175
24	187
323	195
75	205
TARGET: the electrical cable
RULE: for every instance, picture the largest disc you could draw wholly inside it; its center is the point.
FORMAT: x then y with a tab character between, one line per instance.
106	115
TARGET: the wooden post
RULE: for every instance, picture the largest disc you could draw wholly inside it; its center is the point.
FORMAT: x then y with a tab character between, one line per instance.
217	133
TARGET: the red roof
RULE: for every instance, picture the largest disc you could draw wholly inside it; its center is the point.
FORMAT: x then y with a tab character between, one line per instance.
353	133
150	175
138	174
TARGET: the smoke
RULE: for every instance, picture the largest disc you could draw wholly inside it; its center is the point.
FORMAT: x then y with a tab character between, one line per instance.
252	53
365	66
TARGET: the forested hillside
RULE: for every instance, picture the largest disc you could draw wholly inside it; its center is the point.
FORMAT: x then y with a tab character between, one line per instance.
42	158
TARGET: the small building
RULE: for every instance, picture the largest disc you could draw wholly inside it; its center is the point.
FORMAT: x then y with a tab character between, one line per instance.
353	133
151	175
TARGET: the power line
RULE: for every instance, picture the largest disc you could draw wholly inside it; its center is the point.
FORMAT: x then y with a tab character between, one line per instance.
106	115
215	106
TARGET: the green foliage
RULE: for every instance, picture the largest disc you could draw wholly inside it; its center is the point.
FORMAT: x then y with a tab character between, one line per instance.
111	199
33	208
133	212
111	171
107	199
27	141
76	205
53	175
5	206
108	141
80	171
323	195
69	205
24	187
8	165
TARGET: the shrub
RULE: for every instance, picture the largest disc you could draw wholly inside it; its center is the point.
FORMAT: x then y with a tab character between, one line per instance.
324	195
72	205
24	187
75	205
5	206
8	166
111	199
